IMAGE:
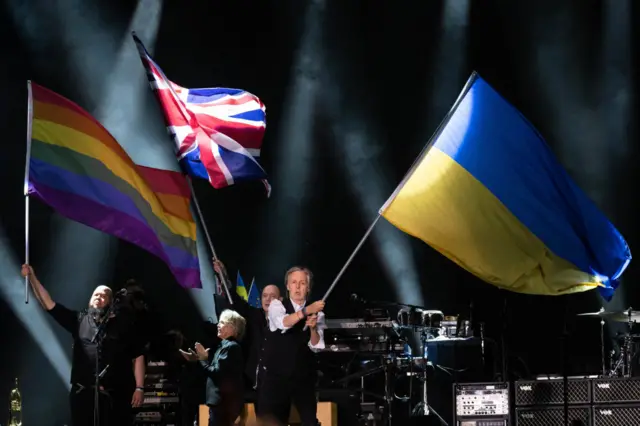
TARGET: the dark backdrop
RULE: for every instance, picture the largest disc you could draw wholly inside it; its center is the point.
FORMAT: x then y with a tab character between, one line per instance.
386	56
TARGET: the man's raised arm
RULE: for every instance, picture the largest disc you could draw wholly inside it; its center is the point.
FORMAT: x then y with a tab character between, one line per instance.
41	294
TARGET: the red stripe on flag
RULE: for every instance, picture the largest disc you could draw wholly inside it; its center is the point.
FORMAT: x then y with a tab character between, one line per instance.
165	181
248	137
216	177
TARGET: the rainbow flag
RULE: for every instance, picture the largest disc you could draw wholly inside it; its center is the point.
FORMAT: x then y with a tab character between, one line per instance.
80	170
490	195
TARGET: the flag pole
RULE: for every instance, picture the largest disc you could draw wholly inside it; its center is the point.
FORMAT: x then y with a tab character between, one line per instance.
350	259
206	233
427	147
26	186
432	140
142	53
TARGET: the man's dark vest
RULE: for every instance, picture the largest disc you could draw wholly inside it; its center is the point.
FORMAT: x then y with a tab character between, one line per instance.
287	354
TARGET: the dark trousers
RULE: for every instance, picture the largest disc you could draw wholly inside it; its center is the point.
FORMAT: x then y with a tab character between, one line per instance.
224	414
114	407
251	397
277	393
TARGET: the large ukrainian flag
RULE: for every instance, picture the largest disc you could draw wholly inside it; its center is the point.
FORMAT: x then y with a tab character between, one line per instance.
490	195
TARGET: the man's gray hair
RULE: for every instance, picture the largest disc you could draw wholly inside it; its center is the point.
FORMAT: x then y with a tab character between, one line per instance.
299	269
235	320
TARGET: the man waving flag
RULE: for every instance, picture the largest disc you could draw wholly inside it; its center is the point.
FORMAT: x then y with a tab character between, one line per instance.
218	131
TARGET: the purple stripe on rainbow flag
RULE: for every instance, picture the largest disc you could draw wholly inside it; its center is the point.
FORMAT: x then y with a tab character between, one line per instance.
121	225
96	195
104	193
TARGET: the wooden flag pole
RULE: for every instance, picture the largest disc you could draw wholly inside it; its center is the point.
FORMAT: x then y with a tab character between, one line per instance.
26	187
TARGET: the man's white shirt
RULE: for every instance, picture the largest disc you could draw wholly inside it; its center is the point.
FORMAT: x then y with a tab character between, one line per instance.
276	315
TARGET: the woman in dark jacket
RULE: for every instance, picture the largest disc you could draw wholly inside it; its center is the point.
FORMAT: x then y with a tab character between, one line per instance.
224	370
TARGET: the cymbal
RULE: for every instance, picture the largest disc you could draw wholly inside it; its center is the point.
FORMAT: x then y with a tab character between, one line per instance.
621	316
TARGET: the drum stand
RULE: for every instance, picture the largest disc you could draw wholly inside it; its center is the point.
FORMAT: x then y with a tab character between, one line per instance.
628	346
604	369
388	394
423	408
626	352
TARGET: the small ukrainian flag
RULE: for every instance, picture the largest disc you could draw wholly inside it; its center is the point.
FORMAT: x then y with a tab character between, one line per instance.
241	290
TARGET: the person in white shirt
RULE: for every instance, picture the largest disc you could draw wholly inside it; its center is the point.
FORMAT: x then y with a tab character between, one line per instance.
288	372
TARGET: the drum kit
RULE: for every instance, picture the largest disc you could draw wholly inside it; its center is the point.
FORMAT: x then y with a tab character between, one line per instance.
401	352
418	327
620	363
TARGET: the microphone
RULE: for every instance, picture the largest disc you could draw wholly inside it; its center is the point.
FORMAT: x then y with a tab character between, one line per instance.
357	299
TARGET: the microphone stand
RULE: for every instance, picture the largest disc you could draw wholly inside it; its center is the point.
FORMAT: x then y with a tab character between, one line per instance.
97	339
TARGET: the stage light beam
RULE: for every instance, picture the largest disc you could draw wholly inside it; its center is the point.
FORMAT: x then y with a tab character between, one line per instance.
125	90
615	103
367	181
30	315
448	68
294	153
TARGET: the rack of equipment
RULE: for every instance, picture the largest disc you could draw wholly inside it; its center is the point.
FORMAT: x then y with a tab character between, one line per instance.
161	406
481	404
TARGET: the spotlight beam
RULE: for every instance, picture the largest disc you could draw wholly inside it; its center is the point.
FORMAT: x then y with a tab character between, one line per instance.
30	315
295	146
366	177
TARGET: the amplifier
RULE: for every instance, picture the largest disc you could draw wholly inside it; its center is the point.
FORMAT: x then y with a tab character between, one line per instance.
551	392
481	404
553	416
624	389
616	415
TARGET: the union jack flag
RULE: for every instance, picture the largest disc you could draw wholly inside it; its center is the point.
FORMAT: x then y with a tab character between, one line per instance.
218	131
